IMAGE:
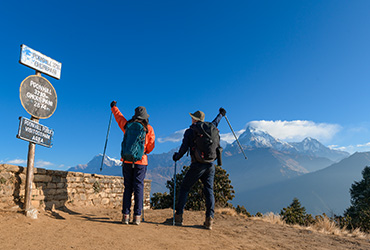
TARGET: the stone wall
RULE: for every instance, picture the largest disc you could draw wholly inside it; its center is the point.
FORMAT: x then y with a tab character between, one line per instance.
53	188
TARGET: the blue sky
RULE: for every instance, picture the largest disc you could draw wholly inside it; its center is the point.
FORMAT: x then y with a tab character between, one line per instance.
294	68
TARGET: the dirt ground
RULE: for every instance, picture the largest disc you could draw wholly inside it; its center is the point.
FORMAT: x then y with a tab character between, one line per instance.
96	228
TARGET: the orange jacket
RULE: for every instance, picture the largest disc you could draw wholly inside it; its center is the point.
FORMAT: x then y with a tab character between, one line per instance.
149	139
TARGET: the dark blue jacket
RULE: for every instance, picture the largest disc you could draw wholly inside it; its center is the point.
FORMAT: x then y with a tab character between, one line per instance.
188	140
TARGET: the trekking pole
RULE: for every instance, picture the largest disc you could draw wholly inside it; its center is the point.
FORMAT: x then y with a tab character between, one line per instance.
106	142
174	196
235	137
143	205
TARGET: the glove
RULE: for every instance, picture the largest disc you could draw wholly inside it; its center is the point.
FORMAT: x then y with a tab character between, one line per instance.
176	156
222	111
113	104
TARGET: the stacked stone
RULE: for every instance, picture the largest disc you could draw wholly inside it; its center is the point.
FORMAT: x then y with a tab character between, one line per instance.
55	189
147	189
11	190
95	190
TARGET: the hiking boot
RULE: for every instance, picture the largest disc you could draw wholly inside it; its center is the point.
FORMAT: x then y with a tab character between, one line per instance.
136	220
125	219
208	223
178	219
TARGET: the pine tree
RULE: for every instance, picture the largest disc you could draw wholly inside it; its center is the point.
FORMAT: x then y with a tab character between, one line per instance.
222	189
295	213
359	211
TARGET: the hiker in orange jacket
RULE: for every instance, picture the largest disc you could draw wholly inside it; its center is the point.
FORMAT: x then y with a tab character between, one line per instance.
134	174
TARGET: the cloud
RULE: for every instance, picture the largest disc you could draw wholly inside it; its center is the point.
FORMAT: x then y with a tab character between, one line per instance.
175	137
38	164
41	164
17	161
363	145
229	137
297	130
349	148
352	148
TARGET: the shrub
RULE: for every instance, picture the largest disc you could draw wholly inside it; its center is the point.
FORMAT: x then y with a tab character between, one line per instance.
259	214
2	180
242	210
97	187
309	220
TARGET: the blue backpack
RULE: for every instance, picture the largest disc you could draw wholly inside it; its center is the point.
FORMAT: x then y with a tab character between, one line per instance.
132	148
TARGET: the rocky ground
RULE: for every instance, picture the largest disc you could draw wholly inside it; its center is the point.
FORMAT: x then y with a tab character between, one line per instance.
96	228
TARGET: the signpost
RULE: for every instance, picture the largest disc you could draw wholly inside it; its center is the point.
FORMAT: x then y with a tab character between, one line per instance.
39	99
40	62
38	96
35	132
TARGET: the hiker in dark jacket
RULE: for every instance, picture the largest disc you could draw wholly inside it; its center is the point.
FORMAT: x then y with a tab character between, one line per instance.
134	173
203	171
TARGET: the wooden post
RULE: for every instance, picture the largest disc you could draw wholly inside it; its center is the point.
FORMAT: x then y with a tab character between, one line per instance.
29	177
30	166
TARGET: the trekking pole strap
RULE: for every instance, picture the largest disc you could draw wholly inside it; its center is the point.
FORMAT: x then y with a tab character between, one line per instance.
236	138
106	141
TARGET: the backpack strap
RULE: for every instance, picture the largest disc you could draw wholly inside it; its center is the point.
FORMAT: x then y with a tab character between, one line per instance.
139	121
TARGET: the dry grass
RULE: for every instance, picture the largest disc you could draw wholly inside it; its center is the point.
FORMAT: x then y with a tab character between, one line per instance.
327	226
358	234
227	211
324	225
272	218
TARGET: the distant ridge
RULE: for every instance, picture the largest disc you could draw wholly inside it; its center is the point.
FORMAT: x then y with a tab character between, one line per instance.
323	191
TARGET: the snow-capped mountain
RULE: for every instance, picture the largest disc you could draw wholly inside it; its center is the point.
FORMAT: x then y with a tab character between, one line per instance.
256	138
111	166
312	147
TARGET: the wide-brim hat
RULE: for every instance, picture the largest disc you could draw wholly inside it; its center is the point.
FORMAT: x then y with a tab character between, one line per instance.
198	116
140	113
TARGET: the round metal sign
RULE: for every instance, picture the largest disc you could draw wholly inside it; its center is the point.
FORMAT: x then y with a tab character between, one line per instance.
38	96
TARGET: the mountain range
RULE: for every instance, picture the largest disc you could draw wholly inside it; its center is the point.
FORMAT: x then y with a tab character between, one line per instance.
256	138
271	163
323	191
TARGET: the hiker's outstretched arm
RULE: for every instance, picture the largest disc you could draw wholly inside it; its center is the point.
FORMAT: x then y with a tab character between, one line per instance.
120	119
217	120
222	112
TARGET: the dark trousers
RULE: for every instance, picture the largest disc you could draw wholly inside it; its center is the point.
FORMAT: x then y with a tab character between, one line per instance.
134	183
206	173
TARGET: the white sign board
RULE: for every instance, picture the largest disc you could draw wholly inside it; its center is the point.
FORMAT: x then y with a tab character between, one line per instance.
40	62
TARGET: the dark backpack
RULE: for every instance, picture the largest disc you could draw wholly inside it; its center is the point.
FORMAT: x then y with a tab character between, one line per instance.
132	148
206	140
